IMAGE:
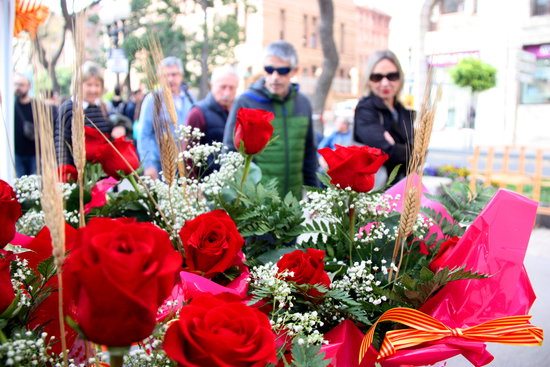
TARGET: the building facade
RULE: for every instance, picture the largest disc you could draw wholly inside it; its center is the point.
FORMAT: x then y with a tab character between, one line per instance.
513	37
358	31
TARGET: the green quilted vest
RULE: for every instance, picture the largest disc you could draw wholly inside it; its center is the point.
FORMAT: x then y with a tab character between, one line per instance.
284	159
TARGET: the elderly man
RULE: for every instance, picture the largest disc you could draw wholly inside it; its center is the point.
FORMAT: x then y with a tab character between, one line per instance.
210	114
292	158
172	70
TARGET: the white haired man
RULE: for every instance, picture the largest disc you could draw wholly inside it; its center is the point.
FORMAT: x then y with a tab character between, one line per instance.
172	70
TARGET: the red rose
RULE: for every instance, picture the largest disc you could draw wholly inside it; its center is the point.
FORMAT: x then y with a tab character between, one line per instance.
308	268
445	249
46	316
95	144
253	128
211	242
112	162
220	331
119	273
67	173
10	211
7	294
353	166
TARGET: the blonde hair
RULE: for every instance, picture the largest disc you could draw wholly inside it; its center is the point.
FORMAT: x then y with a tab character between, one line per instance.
89	70
374	59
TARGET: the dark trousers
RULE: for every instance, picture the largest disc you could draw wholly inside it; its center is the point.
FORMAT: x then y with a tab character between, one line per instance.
25	165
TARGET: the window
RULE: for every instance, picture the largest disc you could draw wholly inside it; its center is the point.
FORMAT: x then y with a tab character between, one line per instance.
282	20
342	37
451	6
305	34
313	39
538	89
540	7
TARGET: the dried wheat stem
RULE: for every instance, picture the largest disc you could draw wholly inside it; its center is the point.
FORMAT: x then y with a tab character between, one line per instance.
78	135
413	184
52	200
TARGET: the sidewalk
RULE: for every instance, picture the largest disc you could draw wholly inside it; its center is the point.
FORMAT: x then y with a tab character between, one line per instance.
537	263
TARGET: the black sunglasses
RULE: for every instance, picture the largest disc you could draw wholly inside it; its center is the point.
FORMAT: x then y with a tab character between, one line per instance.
281	71
392	77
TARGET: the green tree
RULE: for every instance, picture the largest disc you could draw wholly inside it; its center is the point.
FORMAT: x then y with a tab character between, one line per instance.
477	76
198	50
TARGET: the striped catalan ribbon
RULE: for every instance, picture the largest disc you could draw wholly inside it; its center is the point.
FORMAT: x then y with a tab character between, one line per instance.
29	14
507	330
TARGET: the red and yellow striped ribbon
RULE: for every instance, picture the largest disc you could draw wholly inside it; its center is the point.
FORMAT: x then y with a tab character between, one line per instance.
507	330
29	14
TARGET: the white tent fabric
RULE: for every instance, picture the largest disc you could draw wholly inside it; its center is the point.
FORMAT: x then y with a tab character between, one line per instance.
7	16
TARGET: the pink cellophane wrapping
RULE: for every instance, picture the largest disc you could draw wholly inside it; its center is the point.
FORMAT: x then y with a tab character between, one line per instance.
494	244
99	193
189	285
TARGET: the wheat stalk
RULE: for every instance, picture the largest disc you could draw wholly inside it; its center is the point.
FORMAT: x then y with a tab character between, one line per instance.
413	184
156	78
78	135
52	198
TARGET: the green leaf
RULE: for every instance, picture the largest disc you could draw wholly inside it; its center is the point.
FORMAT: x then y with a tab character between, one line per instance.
305	355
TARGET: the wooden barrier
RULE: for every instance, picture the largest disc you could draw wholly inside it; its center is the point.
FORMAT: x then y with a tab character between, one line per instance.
518	166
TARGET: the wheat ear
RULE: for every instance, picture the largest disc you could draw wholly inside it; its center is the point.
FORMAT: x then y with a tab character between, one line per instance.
413	184
78	135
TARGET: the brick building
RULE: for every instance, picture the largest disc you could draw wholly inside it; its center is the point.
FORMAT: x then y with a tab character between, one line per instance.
358	31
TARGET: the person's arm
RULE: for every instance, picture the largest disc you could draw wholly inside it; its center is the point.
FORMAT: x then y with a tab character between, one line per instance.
368	128
147	145
309	169
62	134
196	120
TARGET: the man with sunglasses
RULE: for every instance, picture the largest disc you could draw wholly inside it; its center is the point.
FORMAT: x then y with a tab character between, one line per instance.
381	121
292	158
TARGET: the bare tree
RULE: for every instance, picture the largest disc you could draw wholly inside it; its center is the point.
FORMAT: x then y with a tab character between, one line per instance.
330	61
50	63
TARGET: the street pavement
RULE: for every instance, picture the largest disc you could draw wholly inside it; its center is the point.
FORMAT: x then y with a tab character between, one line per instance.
537	263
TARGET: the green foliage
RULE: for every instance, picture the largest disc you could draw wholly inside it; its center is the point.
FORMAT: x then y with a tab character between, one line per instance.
304	355
474	73
263	219
64	76
462	204
414	291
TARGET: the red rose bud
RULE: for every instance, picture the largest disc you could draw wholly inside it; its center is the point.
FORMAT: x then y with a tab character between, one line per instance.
7	294
111	161
253	129
353	166
10	212
308	268
118	274
67	173
211	243
95	144
445	249
218	331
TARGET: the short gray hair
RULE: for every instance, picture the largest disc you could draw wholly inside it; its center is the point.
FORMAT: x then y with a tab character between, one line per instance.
92	70
222	71
172	61
284	51
378	56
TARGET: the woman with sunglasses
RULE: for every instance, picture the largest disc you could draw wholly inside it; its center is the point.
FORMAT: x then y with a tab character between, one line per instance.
381	121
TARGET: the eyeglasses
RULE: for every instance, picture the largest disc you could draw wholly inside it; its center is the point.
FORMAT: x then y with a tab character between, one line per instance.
392	77
281	71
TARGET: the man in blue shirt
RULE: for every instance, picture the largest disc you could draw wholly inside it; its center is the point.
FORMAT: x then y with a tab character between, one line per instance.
172	70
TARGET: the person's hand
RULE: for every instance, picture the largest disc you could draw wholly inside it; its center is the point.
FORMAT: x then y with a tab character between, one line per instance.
118	131
151	172
389	138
